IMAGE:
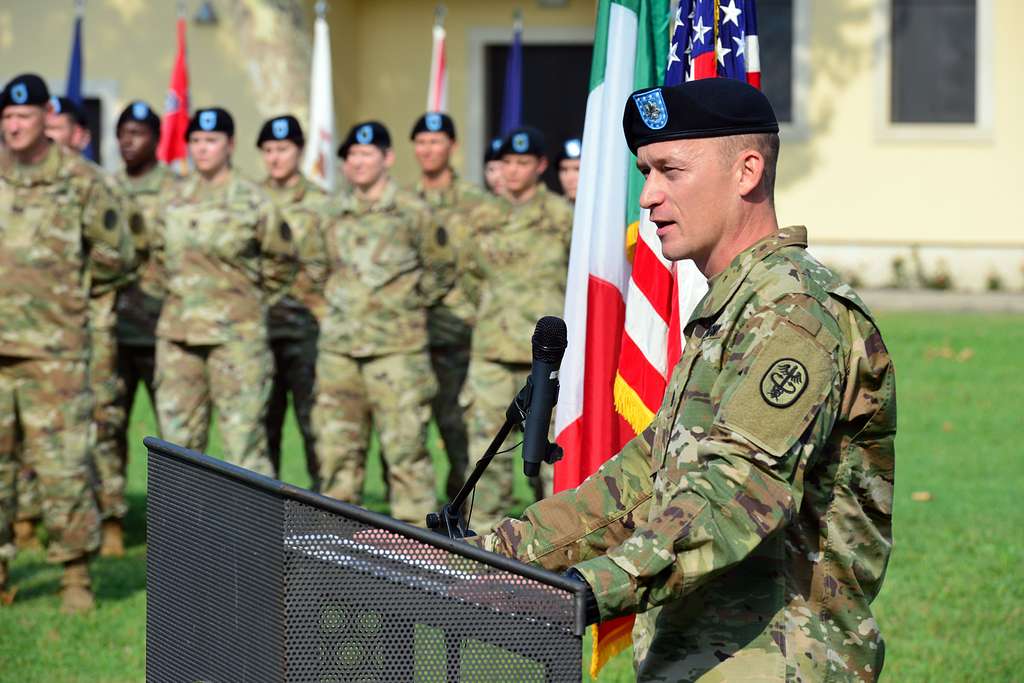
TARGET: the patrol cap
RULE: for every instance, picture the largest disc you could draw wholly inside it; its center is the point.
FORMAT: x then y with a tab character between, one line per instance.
524	140
434	122
211	120
571	149
493	150
140	112
366	133
707	108
282	128
25	89
63	105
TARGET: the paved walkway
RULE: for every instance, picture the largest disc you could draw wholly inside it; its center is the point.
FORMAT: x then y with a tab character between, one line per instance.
936	300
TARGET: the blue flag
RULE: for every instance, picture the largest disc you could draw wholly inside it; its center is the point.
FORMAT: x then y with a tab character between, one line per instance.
512	104
74	86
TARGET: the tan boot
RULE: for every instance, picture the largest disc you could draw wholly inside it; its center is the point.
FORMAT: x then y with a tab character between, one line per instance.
75	592
6	596
113	538
25	535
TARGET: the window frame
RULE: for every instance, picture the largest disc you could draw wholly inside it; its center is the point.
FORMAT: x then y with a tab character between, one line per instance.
984	94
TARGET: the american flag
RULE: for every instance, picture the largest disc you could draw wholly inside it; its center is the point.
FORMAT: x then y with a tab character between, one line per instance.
714	39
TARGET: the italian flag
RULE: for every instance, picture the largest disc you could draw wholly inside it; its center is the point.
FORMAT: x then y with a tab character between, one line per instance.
630	46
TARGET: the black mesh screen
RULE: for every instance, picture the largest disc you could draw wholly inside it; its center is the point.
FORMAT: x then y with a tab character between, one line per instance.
249	579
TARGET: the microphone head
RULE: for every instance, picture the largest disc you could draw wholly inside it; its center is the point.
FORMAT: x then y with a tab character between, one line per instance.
550	338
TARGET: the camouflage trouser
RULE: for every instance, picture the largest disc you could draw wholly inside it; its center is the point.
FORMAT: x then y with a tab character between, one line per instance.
234	378
490	388
47	403
134	364
394	392
451	364
108	421
294	372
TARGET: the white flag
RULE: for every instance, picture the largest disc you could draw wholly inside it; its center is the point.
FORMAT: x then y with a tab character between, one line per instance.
318	162
437	91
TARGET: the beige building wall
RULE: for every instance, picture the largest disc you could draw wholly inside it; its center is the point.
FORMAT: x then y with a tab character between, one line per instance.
870	192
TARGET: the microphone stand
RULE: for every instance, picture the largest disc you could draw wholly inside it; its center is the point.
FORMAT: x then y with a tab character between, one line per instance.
450	520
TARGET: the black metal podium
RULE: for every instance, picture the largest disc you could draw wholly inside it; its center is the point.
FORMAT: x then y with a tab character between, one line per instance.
251	579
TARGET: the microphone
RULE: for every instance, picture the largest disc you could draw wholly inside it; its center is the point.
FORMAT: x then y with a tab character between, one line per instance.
549	342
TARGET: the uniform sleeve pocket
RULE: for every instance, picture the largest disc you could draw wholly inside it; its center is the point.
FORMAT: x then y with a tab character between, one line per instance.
779	391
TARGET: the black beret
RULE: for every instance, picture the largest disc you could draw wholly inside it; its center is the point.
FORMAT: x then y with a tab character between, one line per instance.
493	150
707	108
366	133
282	128
25	89
433	122
63	105
211	120
571	149
524	140
140	112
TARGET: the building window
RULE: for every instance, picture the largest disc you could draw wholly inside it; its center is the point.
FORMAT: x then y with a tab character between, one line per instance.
775	30
933	45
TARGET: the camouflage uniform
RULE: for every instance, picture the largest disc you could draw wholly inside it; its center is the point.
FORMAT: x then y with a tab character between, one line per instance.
227	254
449	329
372	361
517	260
136	312
293	327
65	243
750	525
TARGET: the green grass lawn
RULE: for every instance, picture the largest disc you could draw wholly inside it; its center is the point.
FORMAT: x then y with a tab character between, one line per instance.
952	608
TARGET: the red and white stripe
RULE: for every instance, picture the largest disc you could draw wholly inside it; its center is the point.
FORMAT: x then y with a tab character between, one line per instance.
437	92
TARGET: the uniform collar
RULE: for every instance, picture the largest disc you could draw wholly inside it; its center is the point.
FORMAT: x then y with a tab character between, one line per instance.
150	183
288	195
352	203
723	286
37	174
443	196
538	196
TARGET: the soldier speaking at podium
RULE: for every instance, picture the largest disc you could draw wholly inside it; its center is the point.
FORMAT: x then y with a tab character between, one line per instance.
749	526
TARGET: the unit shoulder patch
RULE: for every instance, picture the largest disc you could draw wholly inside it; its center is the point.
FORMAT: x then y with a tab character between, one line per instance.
785	383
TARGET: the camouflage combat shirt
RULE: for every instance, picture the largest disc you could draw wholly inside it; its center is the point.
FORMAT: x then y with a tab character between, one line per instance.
383	275
516	262
228	255
139	303
64	243
450	321
302	207
750	524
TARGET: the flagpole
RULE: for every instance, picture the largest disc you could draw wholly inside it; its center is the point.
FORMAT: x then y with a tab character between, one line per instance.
321	9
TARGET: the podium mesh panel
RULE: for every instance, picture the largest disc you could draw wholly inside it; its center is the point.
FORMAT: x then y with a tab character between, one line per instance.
251	580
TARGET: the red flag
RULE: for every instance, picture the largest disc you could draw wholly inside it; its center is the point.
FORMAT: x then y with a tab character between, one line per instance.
175	122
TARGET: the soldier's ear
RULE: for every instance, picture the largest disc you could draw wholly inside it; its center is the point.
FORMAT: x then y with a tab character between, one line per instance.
542	166
231	145
389	157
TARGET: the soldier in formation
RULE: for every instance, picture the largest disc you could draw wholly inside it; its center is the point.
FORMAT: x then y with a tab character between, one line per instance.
749	526
516	260
65	244
373	366
569	168
227	255
293	327
450	321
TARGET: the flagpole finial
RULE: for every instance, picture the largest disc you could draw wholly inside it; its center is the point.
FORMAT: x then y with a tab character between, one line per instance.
440	12
181	9
517	19
79	8
321	9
